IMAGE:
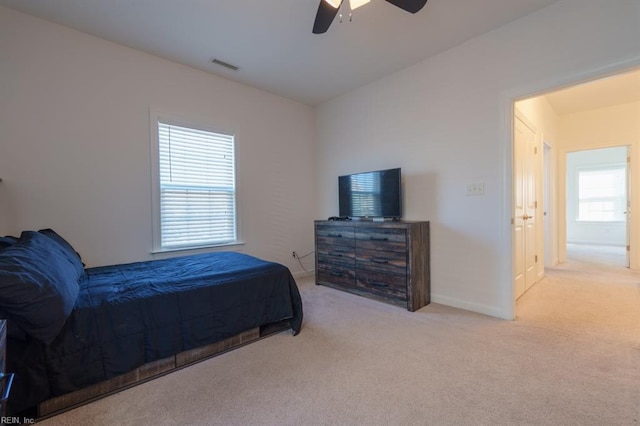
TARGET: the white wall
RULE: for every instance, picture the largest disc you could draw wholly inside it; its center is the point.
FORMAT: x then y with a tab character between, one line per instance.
74	143
4	211
446	121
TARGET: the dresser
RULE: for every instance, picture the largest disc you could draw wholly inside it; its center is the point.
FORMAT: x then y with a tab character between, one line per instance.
387	261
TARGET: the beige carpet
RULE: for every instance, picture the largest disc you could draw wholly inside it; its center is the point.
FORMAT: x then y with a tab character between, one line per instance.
600	255
571	358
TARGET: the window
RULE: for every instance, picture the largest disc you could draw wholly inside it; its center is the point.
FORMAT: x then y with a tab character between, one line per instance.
602	194
196	188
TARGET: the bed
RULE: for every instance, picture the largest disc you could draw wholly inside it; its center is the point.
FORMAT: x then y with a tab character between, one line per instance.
115	326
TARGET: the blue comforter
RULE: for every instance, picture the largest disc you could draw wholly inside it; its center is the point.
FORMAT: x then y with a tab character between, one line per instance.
132	314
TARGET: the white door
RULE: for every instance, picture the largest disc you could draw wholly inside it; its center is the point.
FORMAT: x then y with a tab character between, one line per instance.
524	219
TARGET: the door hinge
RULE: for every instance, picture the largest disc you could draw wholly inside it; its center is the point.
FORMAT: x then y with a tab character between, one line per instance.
536	258
535	150
628	159
535	204
513	221
628	248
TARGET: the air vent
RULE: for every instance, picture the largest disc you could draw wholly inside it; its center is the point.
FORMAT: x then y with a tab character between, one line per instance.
224	64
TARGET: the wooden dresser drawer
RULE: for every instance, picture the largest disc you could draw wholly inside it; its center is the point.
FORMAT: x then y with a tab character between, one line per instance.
391	262
385	285
385	239
336	255
335	235
338	275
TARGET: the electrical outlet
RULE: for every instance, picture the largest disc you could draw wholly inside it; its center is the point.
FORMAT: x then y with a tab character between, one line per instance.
475	188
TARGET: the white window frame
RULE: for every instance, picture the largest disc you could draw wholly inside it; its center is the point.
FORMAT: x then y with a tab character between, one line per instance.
621	199
157	116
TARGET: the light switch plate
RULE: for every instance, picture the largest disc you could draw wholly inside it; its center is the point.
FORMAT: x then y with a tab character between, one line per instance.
475	188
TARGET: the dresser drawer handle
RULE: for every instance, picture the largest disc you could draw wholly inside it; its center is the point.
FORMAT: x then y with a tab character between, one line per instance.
377	284
339	250
379	238
336	274
7	386
336	254
374	260
335	235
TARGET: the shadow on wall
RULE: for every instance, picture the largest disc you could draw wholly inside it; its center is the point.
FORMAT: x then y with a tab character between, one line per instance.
419	195
5	223
468	281
464	266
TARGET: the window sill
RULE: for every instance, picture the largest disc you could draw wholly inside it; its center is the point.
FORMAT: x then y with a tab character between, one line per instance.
198	249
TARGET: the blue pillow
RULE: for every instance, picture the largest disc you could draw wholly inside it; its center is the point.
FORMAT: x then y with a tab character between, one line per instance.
70	252
38	285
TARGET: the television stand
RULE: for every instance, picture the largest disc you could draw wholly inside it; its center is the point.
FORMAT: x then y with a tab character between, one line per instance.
383	260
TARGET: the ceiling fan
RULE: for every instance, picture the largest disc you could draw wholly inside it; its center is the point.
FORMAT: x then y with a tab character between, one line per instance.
328	9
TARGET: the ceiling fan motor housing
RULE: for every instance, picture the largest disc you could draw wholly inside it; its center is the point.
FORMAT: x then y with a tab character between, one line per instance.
328	9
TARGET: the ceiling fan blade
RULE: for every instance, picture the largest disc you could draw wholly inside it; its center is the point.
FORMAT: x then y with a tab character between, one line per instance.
411	6
324	17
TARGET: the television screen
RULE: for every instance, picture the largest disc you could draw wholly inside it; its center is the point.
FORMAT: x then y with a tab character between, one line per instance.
370	194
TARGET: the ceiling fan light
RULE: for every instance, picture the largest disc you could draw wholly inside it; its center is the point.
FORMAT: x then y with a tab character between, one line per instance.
334	3
357	3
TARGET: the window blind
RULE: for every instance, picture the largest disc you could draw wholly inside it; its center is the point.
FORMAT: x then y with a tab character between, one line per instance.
197	187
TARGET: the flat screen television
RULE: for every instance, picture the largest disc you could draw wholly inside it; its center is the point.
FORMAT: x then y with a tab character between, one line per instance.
374	194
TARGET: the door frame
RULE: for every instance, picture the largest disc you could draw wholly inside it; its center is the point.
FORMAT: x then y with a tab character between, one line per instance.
549	204
629	210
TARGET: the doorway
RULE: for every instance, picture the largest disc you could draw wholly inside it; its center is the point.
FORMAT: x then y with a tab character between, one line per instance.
597	206
591	116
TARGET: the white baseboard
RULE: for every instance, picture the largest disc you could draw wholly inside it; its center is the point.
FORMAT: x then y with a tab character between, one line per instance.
470	306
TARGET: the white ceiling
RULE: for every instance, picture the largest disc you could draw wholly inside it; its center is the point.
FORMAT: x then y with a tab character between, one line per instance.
271	40
613	90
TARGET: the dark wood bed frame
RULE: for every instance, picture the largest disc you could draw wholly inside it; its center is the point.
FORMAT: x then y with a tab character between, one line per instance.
154	370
